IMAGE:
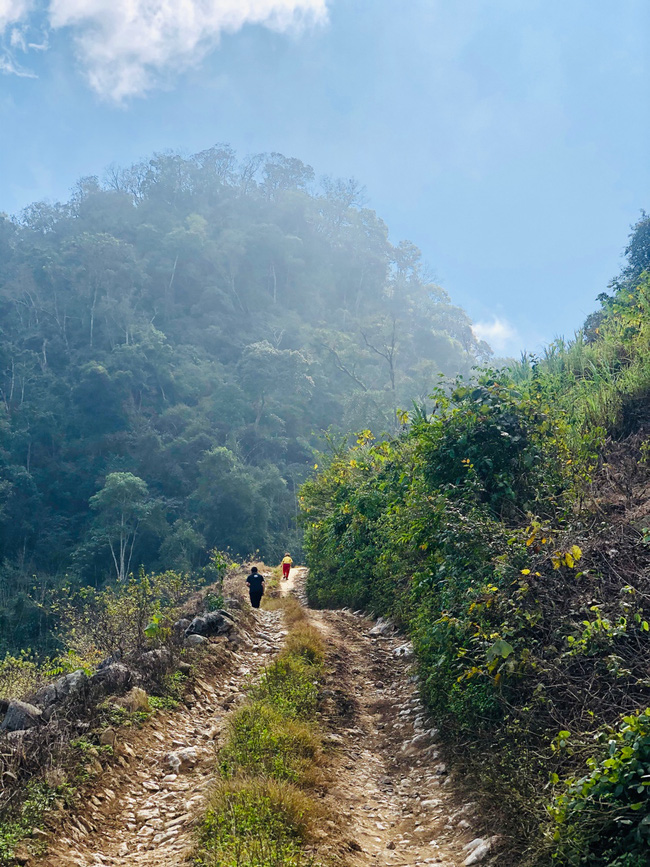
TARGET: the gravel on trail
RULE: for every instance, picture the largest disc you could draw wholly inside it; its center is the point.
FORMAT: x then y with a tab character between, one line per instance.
143	810
390	799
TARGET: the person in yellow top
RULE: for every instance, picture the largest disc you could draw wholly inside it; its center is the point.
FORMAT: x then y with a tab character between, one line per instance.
287	563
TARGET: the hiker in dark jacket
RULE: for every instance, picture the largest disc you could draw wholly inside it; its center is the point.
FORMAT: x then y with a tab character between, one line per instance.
255	583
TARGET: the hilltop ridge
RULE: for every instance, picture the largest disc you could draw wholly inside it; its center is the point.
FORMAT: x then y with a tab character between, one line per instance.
177	338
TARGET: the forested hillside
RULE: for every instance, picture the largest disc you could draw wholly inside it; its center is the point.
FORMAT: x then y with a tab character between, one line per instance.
507	529
175	339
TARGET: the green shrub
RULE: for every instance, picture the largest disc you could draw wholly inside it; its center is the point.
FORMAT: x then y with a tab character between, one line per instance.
124	617
603	818
19	675
212	601
17	823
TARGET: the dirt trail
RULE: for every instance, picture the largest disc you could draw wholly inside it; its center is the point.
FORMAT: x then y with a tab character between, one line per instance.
141	812
392	794
390	798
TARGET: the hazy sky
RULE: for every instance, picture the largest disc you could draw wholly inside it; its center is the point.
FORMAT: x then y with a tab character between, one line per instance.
508	139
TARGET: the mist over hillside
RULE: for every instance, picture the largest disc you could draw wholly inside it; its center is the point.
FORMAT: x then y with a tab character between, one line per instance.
175	339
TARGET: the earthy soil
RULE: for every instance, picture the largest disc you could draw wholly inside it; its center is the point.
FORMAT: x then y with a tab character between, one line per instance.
389	798
392	798
139	812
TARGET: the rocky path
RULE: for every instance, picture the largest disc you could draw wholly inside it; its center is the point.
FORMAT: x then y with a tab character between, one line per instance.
143	811
392	794
393	790
390	798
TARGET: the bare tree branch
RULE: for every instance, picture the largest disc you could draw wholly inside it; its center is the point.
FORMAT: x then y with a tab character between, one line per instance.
342	367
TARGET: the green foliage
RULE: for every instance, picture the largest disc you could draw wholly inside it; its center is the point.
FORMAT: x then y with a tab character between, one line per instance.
602	377
212	601
18	824
259	815
121	505
164	702
19	675
498	445
128	616
264	741
603	818
115	715
174	340
171	687
466	528
289	687
257	824
216	567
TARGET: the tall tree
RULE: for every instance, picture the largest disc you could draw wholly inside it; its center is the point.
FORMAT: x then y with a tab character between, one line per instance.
120	507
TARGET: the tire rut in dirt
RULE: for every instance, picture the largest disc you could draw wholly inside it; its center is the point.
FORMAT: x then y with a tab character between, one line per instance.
391	789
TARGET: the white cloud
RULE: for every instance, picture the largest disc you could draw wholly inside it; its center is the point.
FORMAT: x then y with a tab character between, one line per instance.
8	66
17	38
14	15
499	333
124	45
12	11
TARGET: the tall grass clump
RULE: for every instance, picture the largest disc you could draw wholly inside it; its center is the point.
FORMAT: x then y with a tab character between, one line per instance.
268	743
256	822
262	812
601	377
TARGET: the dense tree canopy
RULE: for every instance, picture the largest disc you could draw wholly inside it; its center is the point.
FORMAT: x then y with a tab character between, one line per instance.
188	327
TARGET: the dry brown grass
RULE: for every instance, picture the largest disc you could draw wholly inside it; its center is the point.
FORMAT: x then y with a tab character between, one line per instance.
294	613
272	602
305	642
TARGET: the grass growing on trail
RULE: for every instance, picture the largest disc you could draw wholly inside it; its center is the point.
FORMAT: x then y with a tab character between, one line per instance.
289	687
305	643
256	822
272	599
261	812
294	613
267	743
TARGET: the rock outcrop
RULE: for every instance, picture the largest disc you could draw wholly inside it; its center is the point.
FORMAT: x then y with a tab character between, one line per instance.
213	623
69	686
20	715
112	679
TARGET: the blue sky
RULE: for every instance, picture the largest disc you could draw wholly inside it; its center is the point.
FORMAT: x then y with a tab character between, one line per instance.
508	139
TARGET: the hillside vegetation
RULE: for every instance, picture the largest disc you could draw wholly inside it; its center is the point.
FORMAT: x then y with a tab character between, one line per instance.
507	528
174	340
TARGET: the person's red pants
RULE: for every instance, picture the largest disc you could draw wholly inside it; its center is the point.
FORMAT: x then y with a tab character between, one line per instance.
286	568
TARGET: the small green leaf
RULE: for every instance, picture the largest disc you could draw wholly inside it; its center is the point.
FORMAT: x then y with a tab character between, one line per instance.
499	648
